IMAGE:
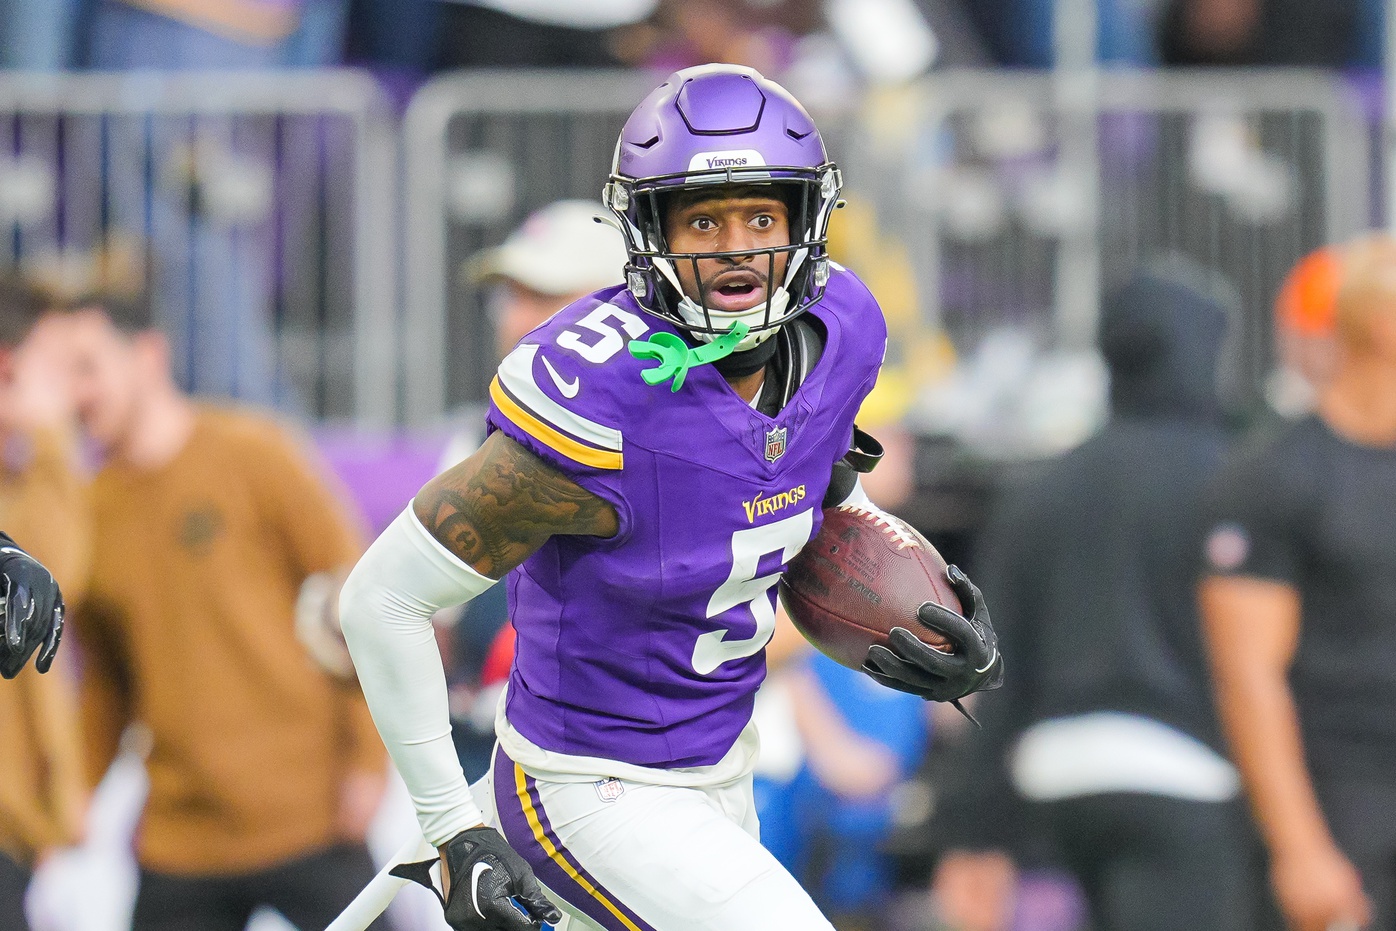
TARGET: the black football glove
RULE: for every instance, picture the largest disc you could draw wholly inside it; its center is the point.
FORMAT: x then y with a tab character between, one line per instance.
33	611
485	873
908	665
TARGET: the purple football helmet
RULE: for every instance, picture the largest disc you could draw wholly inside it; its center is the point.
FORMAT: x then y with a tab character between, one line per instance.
712	125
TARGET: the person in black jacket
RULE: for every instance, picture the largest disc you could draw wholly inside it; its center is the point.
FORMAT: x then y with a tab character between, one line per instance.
1275	33
1104	738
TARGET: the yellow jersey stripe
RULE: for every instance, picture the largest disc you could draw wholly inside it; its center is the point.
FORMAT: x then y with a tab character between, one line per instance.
516	374
521	787
543	433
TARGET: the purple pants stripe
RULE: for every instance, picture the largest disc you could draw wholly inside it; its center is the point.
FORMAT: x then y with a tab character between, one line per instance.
526	827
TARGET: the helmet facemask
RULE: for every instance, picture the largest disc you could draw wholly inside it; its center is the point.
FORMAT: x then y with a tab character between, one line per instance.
652	274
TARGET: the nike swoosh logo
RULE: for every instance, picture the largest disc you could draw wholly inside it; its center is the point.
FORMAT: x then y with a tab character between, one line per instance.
993	659
569	390
475	874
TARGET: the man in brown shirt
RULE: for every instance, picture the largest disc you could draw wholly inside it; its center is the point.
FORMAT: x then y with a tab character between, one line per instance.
264	770
42	506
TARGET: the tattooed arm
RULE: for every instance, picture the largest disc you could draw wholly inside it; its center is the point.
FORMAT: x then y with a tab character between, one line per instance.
496	508
465	529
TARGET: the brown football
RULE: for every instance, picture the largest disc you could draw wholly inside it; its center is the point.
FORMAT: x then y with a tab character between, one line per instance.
862	575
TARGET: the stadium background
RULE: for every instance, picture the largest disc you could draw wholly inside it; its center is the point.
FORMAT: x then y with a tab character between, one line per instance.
304	225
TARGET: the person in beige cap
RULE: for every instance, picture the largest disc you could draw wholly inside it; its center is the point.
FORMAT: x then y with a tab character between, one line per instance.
559	254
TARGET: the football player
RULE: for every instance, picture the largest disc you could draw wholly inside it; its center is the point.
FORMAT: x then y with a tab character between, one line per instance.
32	605
42	502
33	611
630	436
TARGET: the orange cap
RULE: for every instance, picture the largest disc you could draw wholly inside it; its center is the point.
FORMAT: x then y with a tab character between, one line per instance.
1308	298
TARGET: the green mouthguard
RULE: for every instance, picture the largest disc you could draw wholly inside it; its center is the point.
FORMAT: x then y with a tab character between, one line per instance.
676	357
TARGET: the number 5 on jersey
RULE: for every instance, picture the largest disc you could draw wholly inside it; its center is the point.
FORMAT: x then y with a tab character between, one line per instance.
599	323
786	537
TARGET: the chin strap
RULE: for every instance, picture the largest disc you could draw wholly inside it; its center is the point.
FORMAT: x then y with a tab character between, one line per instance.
676	357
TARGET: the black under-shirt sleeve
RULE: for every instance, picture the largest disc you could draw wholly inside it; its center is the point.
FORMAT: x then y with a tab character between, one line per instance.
1255	518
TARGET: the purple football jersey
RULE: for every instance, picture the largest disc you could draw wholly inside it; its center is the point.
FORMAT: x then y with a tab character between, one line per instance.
648	648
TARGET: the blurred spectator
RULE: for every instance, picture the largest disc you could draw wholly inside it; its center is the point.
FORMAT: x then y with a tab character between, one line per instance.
826	822
391	35
213	276
216	34
1300	613
1105	730
1020	33
1263	32
961	43
1305	311
759	35
822	49
888	41
558	255
533	33
42	506
39	35
264	769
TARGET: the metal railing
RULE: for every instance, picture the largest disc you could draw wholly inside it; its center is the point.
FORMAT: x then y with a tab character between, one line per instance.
1016	221
257	208
263	207
481	151
1016	198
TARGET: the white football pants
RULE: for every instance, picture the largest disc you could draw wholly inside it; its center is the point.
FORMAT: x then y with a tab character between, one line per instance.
617	855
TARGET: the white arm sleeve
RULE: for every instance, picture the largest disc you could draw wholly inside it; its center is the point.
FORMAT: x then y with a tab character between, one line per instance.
385	608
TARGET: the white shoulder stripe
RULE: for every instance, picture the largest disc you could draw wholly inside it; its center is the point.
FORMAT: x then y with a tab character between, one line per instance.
516	375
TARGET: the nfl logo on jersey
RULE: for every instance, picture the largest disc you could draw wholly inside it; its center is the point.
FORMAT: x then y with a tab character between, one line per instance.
775	444
608	790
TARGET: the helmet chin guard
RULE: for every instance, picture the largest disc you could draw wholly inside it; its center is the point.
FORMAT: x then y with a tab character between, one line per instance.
712	126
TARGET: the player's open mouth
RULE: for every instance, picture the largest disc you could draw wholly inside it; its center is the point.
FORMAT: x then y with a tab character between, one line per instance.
736	291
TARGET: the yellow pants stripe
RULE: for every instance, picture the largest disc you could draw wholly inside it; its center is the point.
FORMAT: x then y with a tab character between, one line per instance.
526	801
